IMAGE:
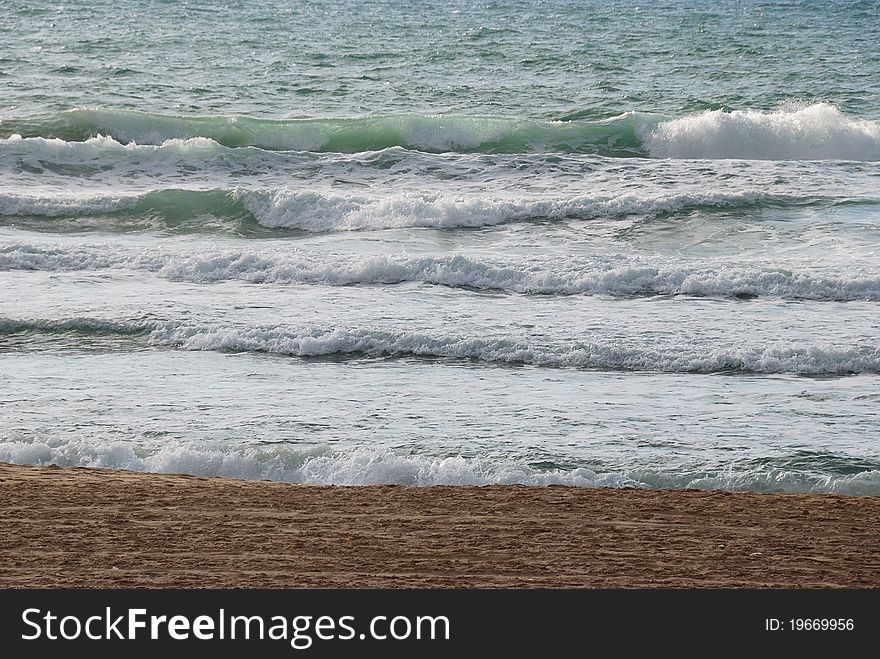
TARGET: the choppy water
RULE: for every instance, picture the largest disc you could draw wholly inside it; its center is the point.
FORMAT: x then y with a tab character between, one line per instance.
597	243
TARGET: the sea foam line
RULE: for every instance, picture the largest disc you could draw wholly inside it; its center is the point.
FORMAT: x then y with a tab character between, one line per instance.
369	466
359	342
605	355
612	275
324	211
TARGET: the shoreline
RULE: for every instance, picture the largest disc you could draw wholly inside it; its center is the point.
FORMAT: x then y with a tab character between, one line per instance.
85	527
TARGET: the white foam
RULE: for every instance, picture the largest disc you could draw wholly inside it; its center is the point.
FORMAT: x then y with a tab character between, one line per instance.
86	177
781	357
607	354
815	132
100	147
432	132
317	211
324	211
368	466
612	275
68	204
352	135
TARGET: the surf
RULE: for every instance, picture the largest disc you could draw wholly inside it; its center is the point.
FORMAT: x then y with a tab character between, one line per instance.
315	210
340	343
369	466
610	275
614	136
818	131
815	132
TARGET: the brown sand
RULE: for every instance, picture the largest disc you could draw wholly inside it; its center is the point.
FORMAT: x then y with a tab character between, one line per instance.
101	528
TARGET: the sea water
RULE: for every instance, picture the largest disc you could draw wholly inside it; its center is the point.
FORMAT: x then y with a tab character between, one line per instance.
557	241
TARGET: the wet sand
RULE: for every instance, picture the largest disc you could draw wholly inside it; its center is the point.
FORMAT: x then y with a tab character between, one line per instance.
73	528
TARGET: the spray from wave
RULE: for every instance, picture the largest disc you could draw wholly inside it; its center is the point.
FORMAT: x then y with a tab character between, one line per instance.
816	132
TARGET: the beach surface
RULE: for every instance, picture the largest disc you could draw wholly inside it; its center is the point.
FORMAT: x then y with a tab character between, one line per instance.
79	527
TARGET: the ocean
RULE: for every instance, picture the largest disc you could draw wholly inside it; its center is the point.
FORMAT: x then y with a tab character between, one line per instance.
595	243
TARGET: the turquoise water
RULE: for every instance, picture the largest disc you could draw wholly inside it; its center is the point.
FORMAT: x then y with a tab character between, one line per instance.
594	243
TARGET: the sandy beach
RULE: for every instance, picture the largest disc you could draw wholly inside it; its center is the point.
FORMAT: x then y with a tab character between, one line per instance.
76	528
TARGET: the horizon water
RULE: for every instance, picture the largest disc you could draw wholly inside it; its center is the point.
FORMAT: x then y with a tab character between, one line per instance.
588	243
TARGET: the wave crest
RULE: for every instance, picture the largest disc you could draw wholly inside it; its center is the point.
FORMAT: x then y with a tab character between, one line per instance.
816	132
317	211
433	133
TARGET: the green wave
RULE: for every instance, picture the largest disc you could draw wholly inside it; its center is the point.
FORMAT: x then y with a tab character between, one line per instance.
80	326
258	211
615	137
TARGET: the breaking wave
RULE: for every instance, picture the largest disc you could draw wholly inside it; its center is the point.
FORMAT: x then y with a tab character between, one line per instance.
367	466
433	133
815	132
614	276
341	342
315	211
